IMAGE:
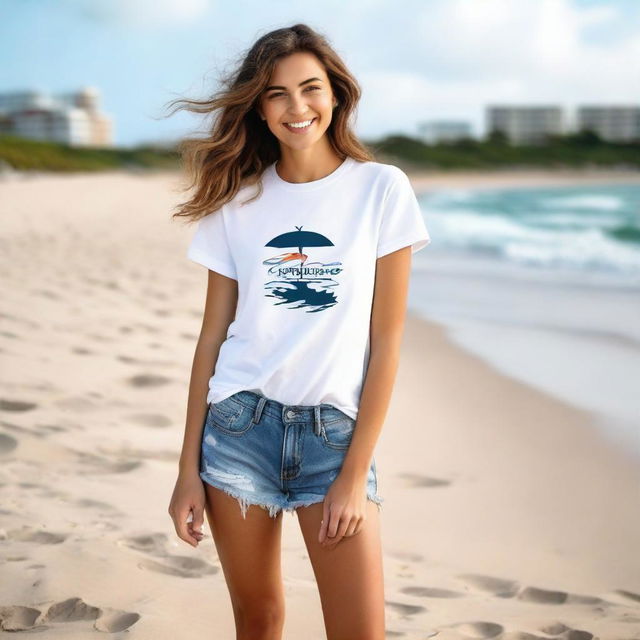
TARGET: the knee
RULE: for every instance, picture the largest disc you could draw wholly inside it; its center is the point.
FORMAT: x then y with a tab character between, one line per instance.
260	621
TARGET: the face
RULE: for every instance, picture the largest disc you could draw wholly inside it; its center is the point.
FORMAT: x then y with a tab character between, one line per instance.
298	91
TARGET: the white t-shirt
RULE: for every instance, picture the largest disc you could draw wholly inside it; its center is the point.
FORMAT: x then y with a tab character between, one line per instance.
304	255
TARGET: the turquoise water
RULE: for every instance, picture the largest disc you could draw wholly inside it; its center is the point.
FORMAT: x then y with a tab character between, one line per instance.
593	228
542	284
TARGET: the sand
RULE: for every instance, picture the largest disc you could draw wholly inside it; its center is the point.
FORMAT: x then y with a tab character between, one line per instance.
506	513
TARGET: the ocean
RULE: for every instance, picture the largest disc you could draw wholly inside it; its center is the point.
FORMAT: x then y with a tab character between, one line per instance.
543	283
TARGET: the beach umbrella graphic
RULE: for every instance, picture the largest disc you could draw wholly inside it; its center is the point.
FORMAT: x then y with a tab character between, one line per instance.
299	239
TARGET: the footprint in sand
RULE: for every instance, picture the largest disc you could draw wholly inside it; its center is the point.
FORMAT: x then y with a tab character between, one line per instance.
21	618
53	428
82	351
498	587
431	592
97	464
16	405
18	429
29	534
148	380
405	610
7	444
418	480
547	596
17	618
145	362
479	630
180	566
47	293
154	544
559	629
77	403
406	555
154	420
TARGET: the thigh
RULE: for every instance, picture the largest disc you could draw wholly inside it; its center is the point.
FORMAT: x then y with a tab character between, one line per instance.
249	550
349	576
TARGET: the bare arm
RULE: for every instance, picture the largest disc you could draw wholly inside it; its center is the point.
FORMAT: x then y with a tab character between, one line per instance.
387	326
188	495
220	306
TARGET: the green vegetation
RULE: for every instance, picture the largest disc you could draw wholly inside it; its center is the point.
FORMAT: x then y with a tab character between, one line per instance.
581	150
24	154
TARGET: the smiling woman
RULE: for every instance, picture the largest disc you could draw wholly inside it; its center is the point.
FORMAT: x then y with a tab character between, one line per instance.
305	110
305	306
289	76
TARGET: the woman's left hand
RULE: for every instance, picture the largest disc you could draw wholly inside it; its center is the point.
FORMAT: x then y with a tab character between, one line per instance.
344	509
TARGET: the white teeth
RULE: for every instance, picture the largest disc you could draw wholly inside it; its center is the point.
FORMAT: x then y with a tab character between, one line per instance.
299	125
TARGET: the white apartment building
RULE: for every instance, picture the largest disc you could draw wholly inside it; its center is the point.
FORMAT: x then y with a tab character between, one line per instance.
612	123
73	119
525	124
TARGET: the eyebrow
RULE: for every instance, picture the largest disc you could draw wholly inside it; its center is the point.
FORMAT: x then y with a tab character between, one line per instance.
303	82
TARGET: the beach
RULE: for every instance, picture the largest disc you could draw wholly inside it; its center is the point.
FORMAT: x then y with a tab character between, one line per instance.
508	511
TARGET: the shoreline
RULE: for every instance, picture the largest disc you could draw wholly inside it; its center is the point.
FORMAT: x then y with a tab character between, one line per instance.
423	178
519	178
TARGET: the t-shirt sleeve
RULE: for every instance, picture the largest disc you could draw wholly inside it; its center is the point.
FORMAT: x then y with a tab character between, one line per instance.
402	223
209	245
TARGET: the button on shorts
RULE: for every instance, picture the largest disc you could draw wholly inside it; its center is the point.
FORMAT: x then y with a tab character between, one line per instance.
276	456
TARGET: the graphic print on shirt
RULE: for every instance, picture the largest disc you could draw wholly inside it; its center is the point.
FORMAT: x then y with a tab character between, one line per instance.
296	282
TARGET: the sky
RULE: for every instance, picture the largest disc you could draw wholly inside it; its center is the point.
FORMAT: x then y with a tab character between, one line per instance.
415	60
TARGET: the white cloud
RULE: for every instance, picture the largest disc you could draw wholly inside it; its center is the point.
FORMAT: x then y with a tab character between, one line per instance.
459	55
142	13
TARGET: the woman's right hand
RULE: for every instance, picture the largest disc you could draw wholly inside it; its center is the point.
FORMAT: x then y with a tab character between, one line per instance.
188	497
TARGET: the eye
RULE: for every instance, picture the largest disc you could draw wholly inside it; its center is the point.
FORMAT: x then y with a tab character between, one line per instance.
280	93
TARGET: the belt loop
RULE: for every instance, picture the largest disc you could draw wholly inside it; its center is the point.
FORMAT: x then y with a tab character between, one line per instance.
259	407
317	421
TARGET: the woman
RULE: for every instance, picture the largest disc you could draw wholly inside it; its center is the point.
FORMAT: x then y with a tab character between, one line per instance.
308	245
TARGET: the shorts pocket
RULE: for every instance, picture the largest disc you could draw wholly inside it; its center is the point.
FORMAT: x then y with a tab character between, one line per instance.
230	416
337	433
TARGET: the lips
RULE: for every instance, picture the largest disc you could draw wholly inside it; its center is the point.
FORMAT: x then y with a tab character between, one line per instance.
299	129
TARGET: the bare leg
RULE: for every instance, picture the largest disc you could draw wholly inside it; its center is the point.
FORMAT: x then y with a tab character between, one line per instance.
349	576
250	555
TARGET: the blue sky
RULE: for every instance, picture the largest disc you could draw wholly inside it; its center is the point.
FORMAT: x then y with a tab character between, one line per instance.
415	59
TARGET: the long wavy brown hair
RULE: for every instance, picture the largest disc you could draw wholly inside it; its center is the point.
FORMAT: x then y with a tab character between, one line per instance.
239	146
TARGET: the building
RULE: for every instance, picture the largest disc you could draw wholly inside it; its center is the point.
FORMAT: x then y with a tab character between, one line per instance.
435	131
525	124
74	119
611	123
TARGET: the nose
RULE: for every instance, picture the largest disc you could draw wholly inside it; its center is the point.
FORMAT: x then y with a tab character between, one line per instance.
298	106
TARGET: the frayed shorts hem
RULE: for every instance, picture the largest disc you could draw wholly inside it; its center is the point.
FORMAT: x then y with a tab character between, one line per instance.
245	500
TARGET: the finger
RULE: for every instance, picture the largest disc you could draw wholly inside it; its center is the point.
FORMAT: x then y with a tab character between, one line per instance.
342	528
334	528
352	529
334	522
325	522
197	521
182	527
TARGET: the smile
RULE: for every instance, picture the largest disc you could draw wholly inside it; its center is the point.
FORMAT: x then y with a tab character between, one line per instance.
299	127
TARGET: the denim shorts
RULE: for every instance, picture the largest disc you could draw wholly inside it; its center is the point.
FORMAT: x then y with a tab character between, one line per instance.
276	456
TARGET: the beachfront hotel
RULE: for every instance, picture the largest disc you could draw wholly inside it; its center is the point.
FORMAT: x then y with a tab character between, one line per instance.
74	119
526	124
612	123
